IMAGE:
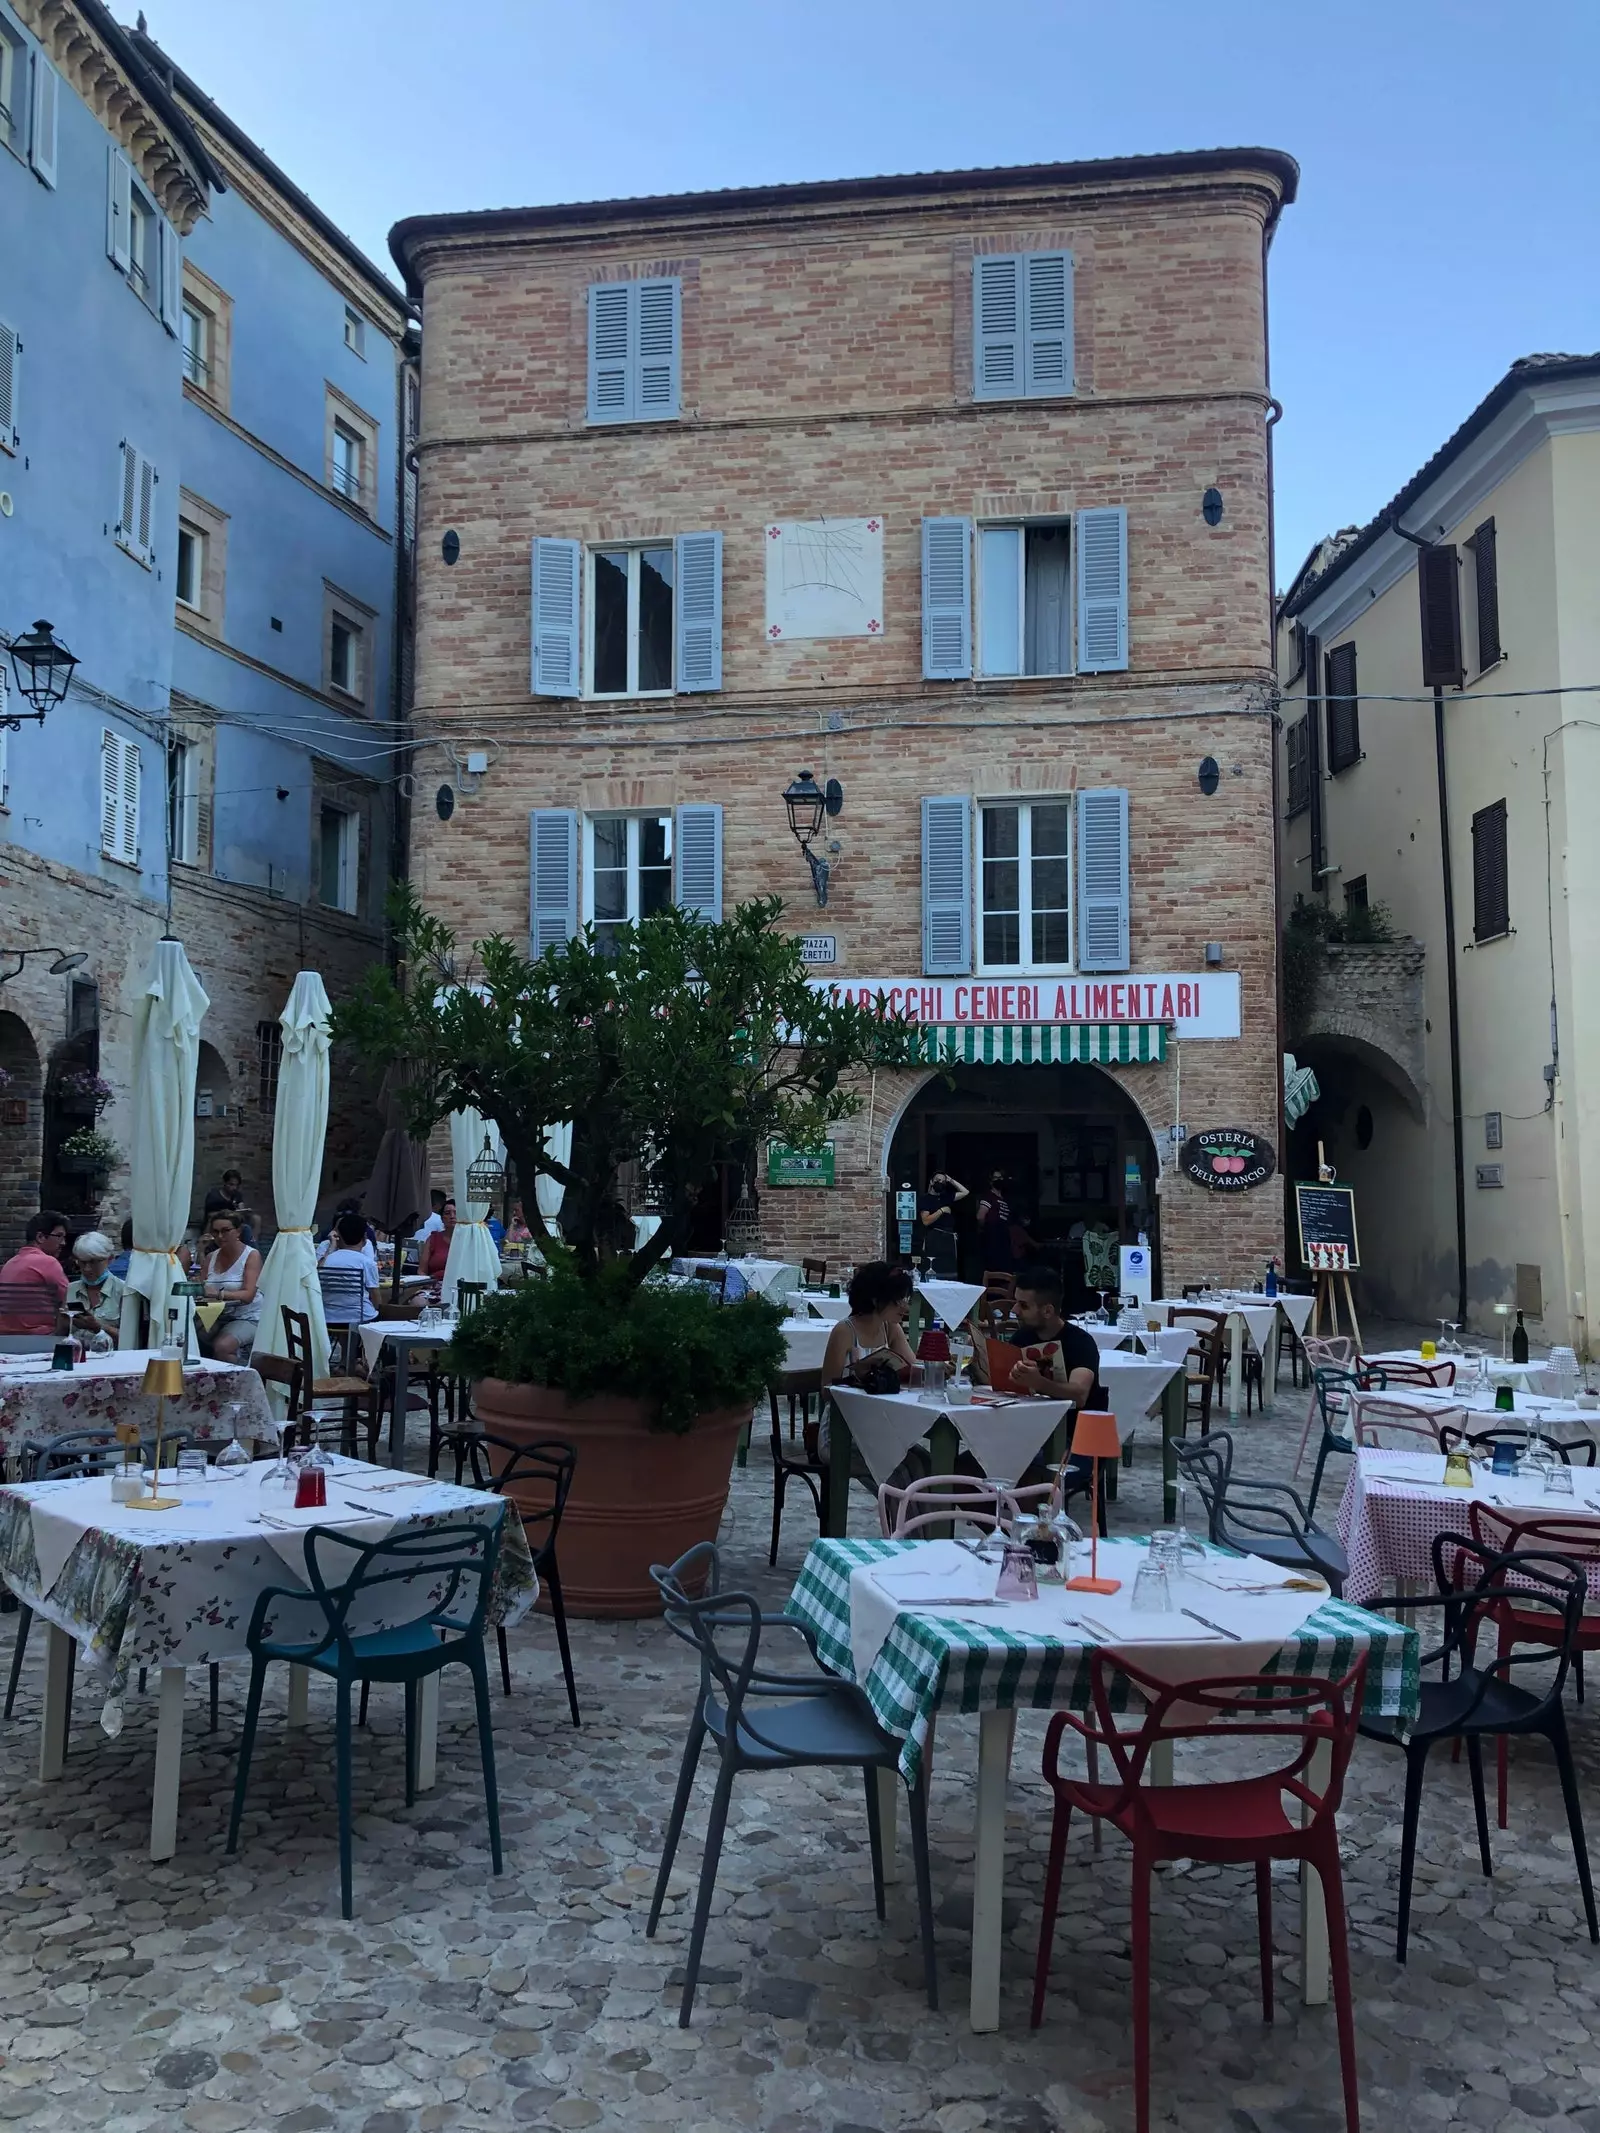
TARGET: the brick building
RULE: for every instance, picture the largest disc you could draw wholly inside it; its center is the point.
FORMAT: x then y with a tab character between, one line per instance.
953	489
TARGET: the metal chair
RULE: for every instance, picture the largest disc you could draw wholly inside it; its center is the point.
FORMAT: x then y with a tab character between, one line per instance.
1331	1385
1239	1821
764	1720
806	1463
1477	1589
312	1629
1571	1451
951	1500
1264	1518
1404	1373
537	1477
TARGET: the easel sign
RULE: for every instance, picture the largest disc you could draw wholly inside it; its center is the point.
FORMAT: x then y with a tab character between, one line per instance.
1329	1246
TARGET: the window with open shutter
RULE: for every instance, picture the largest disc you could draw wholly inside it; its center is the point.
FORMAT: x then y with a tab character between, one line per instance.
5	761
43	105
699	612
556	565
1103	931
1439	590
1021	325
119	797
1491	892
1298	758
171	279
1343	707
1486	583
119	209
698	838
947	886
10	385
1103	590
635	328
553	877
946	598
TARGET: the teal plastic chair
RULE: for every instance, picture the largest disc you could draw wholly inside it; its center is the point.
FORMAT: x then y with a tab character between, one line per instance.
1333	1390
450	1569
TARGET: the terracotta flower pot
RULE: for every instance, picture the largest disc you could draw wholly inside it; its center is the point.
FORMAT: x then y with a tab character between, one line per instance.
639	1495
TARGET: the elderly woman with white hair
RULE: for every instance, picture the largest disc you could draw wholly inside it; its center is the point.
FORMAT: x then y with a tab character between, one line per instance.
94	1300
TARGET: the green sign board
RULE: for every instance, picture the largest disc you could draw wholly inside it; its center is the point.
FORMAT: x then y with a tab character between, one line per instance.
799	1166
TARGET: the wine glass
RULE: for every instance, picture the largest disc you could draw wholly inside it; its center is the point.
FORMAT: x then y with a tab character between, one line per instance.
233	1458
1105	1305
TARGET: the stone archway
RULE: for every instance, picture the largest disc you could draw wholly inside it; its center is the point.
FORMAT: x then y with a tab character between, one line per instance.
218	1127
21	1128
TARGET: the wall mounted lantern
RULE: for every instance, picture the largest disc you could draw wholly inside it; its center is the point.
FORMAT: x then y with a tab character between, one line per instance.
807	803
43	668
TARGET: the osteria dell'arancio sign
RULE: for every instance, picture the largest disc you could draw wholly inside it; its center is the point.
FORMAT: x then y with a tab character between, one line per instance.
1227	1159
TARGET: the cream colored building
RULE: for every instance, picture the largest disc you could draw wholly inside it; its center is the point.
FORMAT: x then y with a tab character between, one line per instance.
1483	577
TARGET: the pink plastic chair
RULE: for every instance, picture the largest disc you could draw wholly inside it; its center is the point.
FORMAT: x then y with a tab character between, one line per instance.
1383	1425
951	1499
1332	1351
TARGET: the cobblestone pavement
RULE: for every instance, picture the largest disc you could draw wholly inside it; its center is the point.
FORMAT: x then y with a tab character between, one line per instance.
223	1995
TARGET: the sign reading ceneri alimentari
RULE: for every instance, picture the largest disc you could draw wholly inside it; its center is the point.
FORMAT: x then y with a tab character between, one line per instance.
1197	1003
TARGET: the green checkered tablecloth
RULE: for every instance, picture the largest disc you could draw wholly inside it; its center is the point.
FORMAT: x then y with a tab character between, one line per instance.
931	1663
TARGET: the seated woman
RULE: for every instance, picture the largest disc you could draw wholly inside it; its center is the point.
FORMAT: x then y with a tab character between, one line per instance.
94	1300
233	1274
436	1247
869	1347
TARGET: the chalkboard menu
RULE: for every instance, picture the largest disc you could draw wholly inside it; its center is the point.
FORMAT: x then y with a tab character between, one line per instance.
1327	1215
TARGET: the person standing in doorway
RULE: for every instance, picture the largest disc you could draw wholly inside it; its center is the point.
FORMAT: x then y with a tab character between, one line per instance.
936	1222
994	1226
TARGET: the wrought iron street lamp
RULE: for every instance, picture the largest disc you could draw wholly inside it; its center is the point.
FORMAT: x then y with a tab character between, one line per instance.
43	668
807	803
62	960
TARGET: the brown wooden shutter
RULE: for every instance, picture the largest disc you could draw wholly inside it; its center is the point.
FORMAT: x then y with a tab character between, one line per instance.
1487	573
1343	709
1299	767
1439	587
1491	909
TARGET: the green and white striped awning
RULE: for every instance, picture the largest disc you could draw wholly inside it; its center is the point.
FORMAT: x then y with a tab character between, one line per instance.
1045	1043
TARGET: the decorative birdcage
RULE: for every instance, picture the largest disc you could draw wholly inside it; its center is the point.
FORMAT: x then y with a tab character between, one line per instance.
742	1230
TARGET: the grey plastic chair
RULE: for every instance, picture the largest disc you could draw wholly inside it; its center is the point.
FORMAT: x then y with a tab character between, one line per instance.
765	1720
1265	1518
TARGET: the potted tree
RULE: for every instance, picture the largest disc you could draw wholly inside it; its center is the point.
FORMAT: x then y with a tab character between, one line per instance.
678	1047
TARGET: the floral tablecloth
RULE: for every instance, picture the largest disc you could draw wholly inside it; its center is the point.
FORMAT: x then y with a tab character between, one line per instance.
177	1588
100	1393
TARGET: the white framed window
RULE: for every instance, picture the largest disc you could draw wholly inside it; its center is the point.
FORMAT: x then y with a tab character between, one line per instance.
196	336
627	870
346	655
1025	598
183	802
355	332
630	616
13	88
144	247
349	455
337	859
191	565
120	771
1025	884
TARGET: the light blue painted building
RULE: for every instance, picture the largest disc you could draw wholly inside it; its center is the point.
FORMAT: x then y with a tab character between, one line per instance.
206	398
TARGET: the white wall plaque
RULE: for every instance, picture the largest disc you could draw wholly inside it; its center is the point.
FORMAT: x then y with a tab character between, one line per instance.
824	578
819	948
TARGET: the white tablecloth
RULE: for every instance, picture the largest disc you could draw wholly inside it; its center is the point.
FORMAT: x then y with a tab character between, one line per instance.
886	1425
1563	1419
1134	1383
767	1277
832	1308
806	1340
1525	1377
950	1300
378	1330
1171	1343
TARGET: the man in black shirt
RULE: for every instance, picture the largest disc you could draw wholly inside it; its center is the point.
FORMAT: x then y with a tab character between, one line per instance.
936	1222
1074	1370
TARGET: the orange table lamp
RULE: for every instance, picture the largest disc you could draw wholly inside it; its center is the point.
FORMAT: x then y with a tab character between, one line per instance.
1094	1437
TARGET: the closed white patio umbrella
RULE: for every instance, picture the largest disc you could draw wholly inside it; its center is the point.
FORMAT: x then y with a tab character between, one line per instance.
299	1127
549	1193
473	1254
166	1057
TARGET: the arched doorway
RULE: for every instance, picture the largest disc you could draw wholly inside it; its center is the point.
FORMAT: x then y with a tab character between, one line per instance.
1073	1143
217	1126
21	1119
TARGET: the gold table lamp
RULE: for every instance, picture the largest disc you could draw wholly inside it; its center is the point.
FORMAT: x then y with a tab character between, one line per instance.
163	1377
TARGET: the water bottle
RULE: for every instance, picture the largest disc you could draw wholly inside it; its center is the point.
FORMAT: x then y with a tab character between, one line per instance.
1272	1277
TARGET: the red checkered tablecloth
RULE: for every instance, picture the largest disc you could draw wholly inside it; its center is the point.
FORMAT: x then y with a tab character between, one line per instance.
1395	1503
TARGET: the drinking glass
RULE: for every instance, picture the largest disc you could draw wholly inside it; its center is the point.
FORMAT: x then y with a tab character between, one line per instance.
1558	1478
191	1464
1152	1594
1187	1543
1166	1550
100	1342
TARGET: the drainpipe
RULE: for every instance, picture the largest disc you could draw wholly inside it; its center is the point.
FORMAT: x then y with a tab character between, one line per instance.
1447	874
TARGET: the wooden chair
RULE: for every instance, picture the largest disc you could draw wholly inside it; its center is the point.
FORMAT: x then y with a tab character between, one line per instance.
814	1273
353	1393
997	1307
812	1470
1203	1364
714	1277
282	1370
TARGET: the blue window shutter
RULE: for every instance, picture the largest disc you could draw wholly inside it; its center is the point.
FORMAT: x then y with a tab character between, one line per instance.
553	875
556	565
42	108
698	836
699	612
1103	878
947	887
997	326
10	386
946	599
171	278
1102	591
657	308
1048	351
119	209
611	312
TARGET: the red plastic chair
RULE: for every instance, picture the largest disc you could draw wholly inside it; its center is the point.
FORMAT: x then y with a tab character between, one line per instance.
1233	1821
1573	1536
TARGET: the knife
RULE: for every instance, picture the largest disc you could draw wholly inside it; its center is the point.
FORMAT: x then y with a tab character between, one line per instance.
1206	1623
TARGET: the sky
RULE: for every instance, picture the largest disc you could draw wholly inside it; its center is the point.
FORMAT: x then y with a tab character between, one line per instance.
1449	151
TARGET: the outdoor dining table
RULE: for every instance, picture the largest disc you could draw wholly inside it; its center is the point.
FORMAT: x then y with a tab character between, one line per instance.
1248	1312
889	1616
173	1589
401	1334
1524	1377
38	1403
765	1277
805	1342
1003	1435
1395	1503
1563	1420
820	1304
